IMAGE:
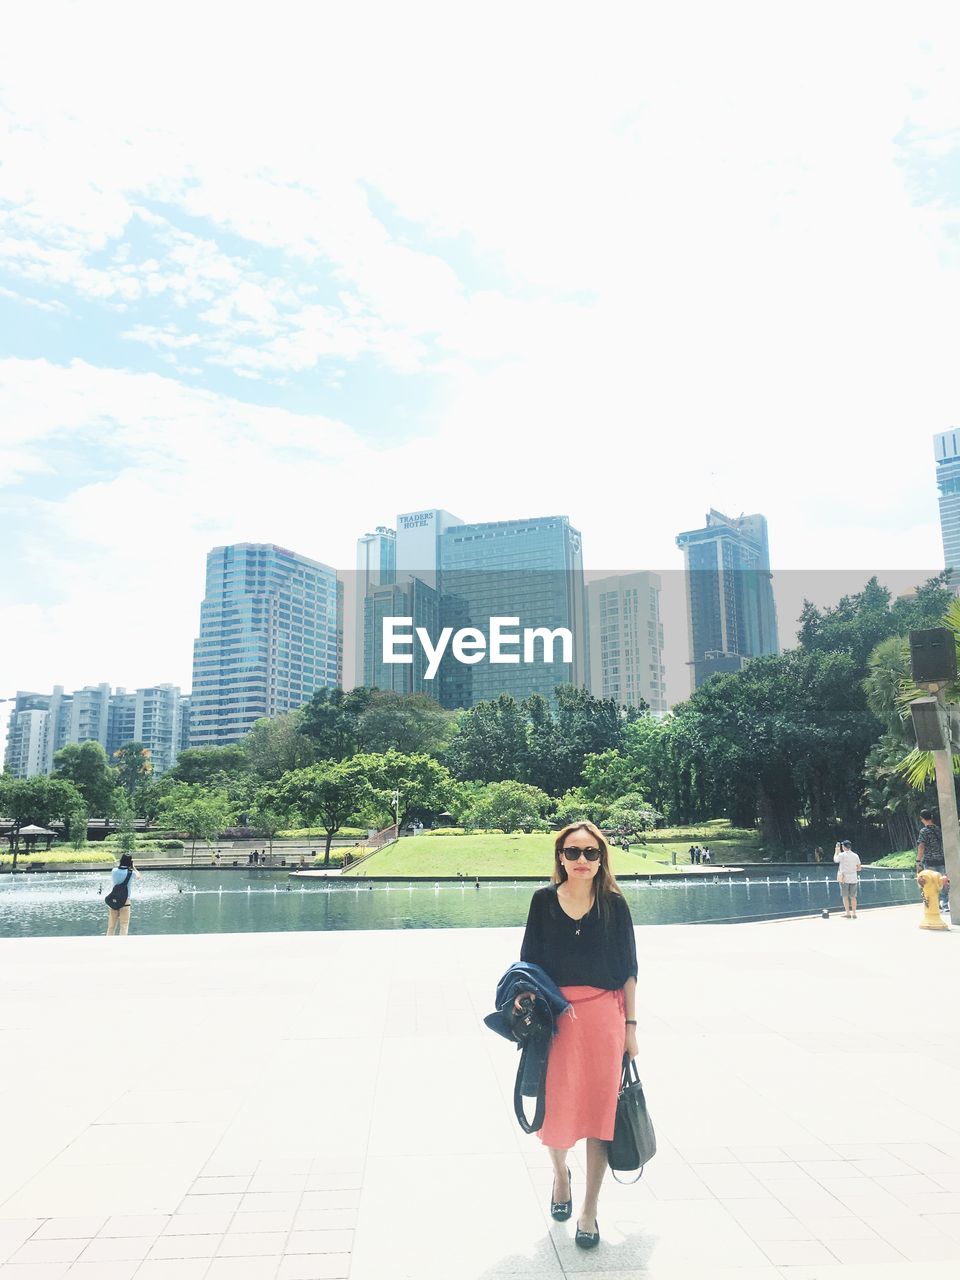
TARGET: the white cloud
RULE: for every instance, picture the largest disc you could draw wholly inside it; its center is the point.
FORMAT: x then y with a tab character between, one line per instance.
648	262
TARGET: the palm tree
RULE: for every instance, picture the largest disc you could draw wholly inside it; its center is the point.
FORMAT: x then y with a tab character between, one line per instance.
917	766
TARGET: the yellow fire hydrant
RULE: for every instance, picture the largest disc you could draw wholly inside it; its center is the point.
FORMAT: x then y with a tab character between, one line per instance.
931	882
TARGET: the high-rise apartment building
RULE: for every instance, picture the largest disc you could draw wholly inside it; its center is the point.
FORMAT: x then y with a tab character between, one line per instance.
626	640
157	717
946	448
269	638
42	723
531	570
25	753
90	715
731	614
123	721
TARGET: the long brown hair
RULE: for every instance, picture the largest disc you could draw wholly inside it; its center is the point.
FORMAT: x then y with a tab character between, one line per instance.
604	882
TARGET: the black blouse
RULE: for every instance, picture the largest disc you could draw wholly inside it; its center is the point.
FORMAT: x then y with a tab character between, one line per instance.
589	952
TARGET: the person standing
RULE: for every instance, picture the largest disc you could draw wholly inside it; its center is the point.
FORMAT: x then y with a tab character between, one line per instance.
929	844
848	873
930	848
123	873
580	932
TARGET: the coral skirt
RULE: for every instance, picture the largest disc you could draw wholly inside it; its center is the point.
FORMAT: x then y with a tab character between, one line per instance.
584	1068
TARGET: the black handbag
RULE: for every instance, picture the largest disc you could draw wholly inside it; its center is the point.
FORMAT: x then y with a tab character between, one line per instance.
634	1141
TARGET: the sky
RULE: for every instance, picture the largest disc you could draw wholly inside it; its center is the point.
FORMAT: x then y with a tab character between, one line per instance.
274	273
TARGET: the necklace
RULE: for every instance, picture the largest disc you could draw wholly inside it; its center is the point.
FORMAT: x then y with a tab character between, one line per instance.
579	919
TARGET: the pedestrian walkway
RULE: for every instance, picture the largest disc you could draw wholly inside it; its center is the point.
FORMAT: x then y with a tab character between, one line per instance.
306	1105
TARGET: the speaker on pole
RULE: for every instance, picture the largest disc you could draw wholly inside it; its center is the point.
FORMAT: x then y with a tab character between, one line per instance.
933	656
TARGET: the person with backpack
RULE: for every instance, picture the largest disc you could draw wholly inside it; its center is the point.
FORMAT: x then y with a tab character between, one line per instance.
118	899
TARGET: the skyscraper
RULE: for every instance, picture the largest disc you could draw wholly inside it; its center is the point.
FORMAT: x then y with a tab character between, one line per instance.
376	567
731	613
268	640
408	599
26	744
626	640
419	535
531	570
411	560
946	448
32	743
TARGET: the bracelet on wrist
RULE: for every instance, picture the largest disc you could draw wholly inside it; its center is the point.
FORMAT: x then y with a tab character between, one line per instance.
630	1022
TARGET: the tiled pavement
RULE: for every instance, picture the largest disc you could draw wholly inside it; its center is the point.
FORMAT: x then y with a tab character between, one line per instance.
308	1105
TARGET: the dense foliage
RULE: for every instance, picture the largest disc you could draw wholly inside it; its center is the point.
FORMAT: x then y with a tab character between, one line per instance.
803	746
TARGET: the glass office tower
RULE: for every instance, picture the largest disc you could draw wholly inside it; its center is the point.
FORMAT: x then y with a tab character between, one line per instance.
531	570
411	599
731	614
946	447
269	638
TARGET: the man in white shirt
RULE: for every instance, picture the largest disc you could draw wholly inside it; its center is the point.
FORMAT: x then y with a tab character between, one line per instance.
848	872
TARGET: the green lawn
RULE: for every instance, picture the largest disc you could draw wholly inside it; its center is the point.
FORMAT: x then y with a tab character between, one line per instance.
60	858
492	855
905	861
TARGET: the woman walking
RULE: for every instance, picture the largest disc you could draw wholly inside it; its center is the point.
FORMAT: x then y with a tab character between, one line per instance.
579	931
122	874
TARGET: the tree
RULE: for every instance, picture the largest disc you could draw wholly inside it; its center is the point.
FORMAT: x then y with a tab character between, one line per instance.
510	806
37	801
331	720
199	814
917	766
266	819
276	746
134	766
544	763
859	622
328	794
630	815
413	723
490	743
576	806
888	797
149	796
127	838
77	822
423	783
587	726
85	764
209	766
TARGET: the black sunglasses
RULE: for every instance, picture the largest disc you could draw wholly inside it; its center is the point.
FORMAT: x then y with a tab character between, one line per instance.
573	855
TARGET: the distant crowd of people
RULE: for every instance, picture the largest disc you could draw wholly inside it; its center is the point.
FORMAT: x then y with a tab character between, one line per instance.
700	853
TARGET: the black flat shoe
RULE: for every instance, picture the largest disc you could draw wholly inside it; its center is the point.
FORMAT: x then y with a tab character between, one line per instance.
561	1210
588	1239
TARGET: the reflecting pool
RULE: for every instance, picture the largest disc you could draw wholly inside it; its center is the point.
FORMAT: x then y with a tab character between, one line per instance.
60	903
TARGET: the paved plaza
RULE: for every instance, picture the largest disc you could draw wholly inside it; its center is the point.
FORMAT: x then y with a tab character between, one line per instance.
306	1105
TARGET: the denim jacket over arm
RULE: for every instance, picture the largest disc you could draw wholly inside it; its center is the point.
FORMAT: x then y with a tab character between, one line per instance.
524	976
